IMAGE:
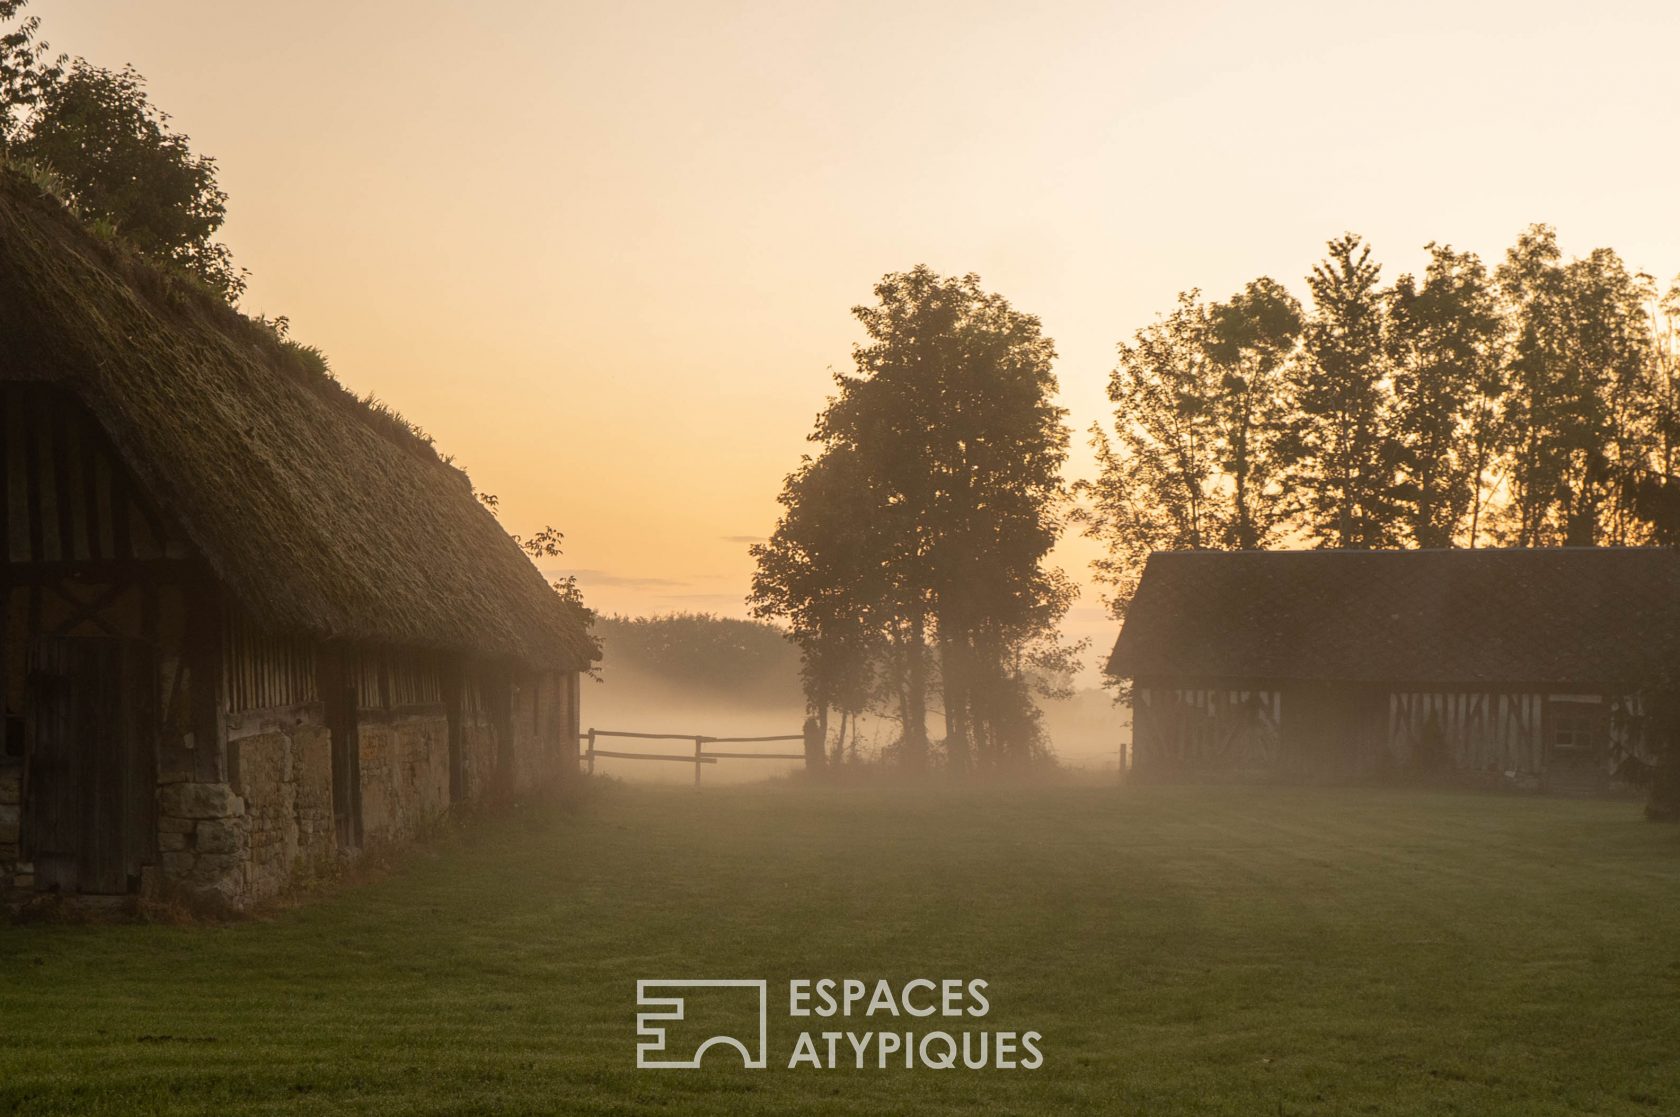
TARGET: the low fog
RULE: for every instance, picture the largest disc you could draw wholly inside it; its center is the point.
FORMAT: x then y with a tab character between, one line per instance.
717	677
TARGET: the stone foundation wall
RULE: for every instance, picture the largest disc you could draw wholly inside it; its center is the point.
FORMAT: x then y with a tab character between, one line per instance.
542	719
284	775
270	827
267	829
405	773
478	758
204	839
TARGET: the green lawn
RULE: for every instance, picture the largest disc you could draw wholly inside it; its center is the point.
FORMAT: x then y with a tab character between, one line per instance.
1182	950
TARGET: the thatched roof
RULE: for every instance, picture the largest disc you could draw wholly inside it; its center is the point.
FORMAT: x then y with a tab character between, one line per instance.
321	515
1551	616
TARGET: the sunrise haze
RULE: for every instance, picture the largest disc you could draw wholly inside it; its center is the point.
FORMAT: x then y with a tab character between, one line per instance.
605	254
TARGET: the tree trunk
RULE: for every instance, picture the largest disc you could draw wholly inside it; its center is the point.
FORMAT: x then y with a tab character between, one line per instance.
953	669
915	696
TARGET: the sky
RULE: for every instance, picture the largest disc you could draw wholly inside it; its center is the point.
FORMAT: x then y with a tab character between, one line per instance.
605	254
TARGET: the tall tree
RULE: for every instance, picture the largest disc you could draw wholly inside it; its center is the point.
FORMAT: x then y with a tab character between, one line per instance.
1532	282
1344	461
1157	475
1612	356
821	572
101	135
954	443
1443	345
1193	459
1581	397
1665	381
1251	339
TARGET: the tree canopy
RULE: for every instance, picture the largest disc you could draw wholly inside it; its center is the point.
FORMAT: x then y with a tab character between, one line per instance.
108	151
1533	404
922	524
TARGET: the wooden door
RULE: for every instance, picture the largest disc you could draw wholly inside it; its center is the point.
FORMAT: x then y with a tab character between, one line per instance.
90	763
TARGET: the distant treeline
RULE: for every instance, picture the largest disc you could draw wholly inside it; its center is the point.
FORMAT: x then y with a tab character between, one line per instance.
1536	403
743	659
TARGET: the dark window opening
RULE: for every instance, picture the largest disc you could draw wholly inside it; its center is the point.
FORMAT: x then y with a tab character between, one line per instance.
1576	727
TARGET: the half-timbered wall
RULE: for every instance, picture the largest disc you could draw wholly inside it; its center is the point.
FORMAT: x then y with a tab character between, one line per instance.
1205	728
68	500
1471	731
90	561
1498	737
388	679
266	672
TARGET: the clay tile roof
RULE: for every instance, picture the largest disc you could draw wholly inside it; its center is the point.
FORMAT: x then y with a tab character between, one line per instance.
1557	616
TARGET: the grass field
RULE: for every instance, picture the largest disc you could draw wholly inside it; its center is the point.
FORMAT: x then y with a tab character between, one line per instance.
1182	950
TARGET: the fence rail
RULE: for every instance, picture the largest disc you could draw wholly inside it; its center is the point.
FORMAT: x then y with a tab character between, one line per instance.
700	758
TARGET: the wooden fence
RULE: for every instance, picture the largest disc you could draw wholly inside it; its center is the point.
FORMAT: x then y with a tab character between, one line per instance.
701	755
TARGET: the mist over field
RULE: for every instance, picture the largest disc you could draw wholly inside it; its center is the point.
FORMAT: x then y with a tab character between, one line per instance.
696	674
583	558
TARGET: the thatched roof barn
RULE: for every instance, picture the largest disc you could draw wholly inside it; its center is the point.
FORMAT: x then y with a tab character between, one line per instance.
1517	665
192	500
323	515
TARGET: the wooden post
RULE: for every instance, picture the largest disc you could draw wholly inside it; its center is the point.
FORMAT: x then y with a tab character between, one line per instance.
815	740
698	741
592	752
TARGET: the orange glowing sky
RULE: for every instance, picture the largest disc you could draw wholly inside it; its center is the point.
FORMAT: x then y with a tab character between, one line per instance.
604	253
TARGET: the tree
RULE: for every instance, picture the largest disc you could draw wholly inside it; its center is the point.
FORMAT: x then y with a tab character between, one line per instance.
1156	486
1343	459
943	453
1443	344
1665	380
27	71
820	572
1612	357
1193	458
1581	397
953	410
548	543
100	134
1251	339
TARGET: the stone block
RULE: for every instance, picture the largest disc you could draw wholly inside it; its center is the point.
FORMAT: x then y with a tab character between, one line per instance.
11	785
218	868
178	865
216	836
176	826
199	800
171	842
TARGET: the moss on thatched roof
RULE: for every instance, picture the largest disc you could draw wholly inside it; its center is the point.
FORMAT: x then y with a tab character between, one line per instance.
320	513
